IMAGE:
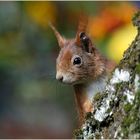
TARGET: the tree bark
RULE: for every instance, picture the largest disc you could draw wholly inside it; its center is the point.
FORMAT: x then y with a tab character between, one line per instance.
117	109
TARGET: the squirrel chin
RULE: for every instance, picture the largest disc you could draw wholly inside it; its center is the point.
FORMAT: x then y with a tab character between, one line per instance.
67	82
72	82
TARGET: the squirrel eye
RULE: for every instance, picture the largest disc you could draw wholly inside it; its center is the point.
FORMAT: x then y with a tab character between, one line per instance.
77	61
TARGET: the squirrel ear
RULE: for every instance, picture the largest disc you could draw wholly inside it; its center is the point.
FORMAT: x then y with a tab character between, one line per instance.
60	39
82	27
86	42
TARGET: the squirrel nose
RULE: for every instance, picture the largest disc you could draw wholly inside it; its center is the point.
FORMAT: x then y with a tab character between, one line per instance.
59	77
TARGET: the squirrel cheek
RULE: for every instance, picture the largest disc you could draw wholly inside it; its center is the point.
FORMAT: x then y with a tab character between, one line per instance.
68	78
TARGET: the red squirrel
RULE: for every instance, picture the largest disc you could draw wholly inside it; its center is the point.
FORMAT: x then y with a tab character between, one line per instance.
80	64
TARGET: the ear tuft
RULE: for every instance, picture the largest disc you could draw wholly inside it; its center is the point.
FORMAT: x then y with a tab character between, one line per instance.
82	27
60	39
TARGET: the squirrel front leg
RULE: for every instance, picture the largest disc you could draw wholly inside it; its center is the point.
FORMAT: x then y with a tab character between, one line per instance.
83	104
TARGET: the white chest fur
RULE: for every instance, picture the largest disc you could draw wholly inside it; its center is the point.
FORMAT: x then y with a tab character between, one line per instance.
94	87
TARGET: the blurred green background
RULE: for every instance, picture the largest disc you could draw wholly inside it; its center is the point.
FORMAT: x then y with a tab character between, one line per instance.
32	103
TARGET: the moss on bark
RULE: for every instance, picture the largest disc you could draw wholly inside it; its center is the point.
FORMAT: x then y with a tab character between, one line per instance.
117	109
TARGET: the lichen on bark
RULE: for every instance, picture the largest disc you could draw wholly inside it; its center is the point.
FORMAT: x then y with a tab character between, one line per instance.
117	110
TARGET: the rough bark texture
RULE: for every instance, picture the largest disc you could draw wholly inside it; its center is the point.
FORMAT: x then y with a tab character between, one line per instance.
117	109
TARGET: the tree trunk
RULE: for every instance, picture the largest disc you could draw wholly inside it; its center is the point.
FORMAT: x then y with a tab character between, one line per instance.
117	109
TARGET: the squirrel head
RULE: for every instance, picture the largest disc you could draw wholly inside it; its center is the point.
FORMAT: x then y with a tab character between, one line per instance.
78	60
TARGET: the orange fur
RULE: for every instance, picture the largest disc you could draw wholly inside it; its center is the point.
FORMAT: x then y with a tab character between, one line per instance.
83	104
82	27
